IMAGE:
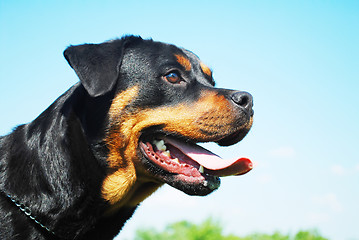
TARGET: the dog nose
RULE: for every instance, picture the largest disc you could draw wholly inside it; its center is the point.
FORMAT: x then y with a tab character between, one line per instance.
244	100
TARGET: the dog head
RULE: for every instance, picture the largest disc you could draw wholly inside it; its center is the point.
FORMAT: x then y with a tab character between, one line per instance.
163	103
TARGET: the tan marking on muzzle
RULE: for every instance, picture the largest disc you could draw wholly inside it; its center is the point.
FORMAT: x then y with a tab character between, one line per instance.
212	113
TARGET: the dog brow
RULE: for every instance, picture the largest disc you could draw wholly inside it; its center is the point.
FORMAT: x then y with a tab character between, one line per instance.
206	70
184	62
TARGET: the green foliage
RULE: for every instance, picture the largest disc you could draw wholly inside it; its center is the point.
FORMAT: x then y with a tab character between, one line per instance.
261	236
211	229
312	235
184	230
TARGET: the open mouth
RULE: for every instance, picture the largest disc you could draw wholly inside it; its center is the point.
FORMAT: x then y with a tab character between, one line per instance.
188	166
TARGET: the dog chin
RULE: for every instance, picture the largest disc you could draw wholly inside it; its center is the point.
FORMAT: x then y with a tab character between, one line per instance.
194	186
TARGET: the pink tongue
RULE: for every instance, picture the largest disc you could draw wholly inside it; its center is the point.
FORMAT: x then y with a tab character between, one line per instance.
214	164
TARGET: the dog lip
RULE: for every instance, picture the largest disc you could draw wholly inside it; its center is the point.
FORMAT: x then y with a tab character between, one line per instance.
187	167
186	178
233	138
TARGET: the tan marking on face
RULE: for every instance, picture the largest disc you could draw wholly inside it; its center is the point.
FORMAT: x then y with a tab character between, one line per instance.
249	124
184	62
206	70
118	184
211	116
122	175
212	113
121	101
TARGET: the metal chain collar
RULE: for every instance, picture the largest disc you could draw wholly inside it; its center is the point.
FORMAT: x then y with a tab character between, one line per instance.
27	211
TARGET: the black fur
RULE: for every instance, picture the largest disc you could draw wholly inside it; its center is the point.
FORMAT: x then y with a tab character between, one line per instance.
56	164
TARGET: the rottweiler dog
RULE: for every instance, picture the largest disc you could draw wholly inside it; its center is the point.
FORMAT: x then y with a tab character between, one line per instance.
131	124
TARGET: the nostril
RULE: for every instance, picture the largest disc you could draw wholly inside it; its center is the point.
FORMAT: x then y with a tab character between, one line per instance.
243	99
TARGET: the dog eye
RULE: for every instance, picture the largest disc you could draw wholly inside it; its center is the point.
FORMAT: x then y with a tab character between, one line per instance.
172	77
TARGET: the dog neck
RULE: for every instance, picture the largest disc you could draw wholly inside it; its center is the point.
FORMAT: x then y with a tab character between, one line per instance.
68	199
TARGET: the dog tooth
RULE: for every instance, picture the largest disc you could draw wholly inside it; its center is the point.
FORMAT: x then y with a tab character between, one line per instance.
176	160
160	145
163	146
201	169
167	153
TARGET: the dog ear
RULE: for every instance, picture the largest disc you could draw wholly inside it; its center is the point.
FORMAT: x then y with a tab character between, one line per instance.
97	65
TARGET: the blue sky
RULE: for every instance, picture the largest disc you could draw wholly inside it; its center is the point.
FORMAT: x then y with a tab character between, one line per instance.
299	59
